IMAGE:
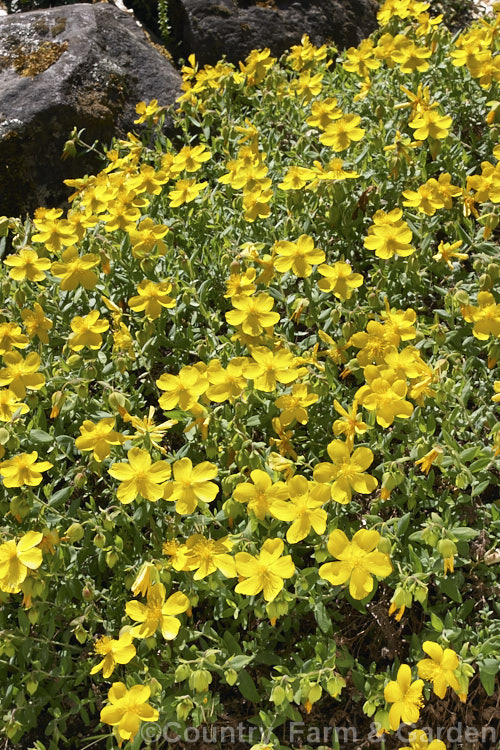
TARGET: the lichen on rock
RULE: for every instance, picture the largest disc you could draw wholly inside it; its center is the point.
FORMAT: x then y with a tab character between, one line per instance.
30	63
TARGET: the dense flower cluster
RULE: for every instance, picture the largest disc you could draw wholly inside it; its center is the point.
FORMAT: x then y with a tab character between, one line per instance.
248	397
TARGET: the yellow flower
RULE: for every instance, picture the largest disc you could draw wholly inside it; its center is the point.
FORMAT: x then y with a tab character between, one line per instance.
446	252
157	613
346	472
9	405
146	237
127	709
385	395
360	60
419	741
298	257
350	424
357	561
205	556
440	668
54	233
400	323
269	368
256	66
20	373
374	343
145	111
296	178
226	384
426	23
411	58
427	198
260	493
339	279
485	316
190	158
406	697
145	578
23	470
430	124
324	112
115	652
283	441
152	298
185	191
487	184
147	431
334	171
387	240
140	476
256	204
253	314
182	390
191	485
27	265
429	458
123	211
307	85
36	324
17	559
241	283
303	509
294	404
265	572
304	55
99	438
340	134
335	351
75	270
148	180
87	331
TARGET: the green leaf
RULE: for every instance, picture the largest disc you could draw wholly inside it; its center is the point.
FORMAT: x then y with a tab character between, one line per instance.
450	588
60	496
40	437
437	623
487	673
322	618
238	662
403	524
248	688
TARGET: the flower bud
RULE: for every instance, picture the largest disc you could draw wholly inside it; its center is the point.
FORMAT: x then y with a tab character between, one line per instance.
75	532
183	709
384	545
231	675
111	558
182	672
19	297
485	282
278	695
200	680
462	297
446	547
87	592
314	693
99	540
335	685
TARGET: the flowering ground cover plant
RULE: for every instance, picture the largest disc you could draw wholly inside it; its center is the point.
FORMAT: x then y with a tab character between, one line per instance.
249	387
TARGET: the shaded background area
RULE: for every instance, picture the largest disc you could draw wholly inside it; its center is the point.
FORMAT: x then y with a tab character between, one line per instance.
457	13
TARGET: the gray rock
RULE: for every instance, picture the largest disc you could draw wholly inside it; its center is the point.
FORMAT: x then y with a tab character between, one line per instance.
79	65
212	28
